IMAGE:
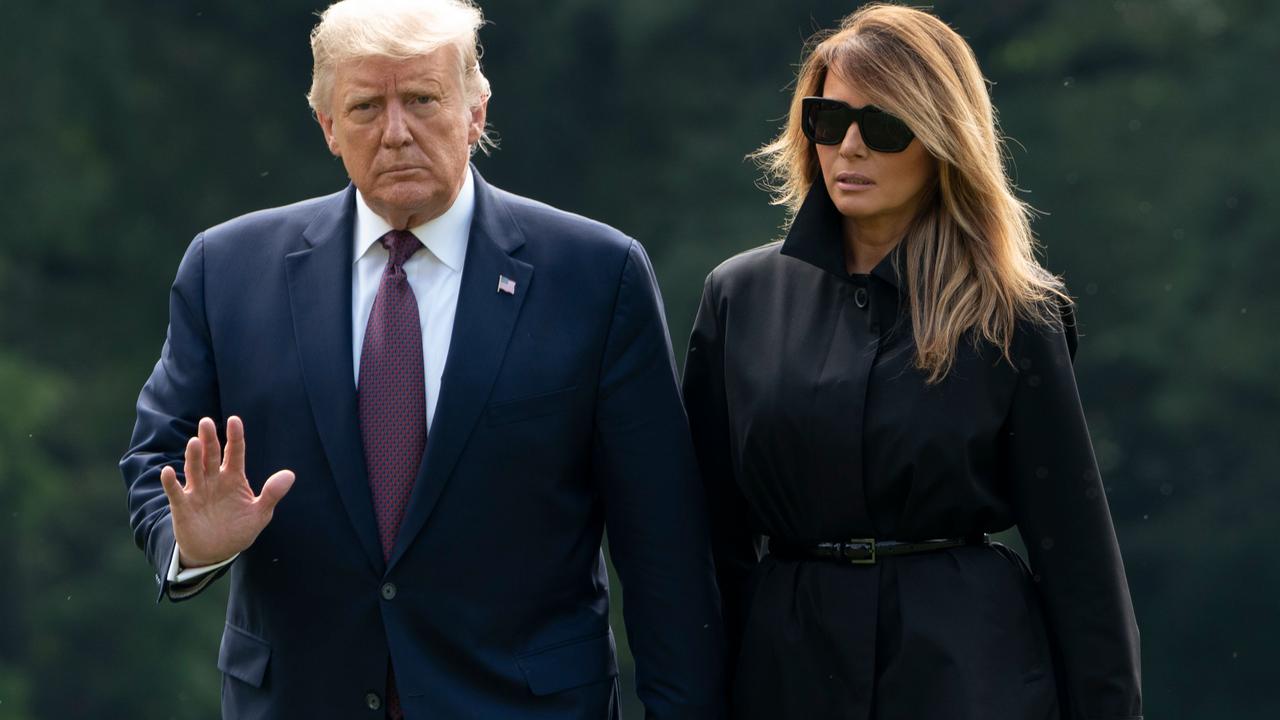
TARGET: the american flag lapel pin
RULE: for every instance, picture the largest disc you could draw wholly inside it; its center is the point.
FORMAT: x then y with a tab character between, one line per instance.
506	285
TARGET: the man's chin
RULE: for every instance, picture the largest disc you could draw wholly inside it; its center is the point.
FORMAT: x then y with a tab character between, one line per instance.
400	202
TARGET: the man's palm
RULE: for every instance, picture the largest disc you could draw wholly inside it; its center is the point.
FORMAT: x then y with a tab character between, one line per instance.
215	512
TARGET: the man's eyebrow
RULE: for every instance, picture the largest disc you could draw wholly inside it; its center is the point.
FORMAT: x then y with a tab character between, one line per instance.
427	86
359	95
357	92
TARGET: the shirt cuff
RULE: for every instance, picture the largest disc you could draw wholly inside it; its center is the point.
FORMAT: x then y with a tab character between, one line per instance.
181	576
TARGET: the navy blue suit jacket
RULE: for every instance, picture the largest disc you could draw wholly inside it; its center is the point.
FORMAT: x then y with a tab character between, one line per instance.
558	415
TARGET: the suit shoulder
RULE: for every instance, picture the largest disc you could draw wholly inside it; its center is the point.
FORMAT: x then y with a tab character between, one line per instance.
286	221
544	223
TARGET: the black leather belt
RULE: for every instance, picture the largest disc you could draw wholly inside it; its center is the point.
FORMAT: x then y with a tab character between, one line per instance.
865	551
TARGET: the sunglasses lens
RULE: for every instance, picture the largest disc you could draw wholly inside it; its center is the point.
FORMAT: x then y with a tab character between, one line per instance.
883	132
826	123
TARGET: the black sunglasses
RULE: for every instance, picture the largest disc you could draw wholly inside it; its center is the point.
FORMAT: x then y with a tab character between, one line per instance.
826	122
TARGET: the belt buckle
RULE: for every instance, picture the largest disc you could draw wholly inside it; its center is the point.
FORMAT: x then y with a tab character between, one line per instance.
870	543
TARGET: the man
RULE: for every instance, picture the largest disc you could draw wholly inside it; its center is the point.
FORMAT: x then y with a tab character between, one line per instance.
453	390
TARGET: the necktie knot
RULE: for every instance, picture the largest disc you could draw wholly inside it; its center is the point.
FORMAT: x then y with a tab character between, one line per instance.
402	244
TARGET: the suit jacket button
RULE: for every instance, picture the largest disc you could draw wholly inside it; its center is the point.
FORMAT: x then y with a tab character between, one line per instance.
388	591
372	701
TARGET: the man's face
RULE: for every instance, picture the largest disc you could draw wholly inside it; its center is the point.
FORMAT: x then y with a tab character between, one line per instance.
404	131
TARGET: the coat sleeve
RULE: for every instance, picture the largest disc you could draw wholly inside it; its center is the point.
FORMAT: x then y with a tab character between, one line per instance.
1060	506
654	509
182	389
735	546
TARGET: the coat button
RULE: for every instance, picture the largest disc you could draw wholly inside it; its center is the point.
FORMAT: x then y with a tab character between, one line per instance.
860	297
372	701
388	591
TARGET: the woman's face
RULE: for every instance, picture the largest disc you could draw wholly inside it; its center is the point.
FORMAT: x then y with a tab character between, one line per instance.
869	186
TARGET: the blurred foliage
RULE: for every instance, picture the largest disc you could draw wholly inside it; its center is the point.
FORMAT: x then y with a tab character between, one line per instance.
1143	130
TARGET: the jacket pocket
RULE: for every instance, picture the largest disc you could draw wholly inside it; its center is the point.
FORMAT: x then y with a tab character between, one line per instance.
570	665
243	656
1039	654
527	408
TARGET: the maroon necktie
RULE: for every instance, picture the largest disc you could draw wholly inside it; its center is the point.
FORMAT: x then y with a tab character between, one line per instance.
393	396
393	401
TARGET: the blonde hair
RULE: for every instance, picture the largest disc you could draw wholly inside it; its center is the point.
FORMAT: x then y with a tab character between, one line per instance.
353	29
969	255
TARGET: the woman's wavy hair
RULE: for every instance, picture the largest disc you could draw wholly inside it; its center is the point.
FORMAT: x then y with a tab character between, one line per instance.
969	256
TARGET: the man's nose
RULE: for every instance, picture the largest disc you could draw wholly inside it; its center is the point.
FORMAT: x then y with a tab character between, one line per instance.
396	131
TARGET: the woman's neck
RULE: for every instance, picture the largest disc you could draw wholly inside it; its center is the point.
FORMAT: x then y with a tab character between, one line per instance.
868	241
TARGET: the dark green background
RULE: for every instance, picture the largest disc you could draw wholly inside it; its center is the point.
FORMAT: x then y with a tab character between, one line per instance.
1145	131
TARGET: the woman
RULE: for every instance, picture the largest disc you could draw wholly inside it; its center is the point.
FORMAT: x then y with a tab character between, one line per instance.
882	389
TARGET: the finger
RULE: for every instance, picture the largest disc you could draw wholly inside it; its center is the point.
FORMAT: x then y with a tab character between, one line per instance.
208	433
169	483
275	488
235	446
193	464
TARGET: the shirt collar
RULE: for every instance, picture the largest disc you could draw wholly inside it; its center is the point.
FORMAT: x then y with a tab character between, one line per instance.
816	237
445	236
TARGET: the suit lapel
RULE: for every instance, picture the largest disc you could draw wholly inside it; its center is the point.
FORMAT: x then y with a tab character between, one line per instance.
320	297
482	327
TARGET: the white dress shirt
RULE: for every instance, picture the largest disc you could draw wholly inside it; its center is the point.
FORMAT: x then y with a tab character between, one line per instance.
435	275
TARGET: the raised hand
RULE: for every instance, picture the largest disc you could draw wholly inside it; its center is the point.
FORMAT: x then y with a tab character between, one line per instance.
215	513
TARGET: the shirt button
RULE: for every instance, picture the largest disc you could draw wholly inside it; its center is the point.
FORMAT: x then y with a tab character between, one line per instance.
372	701
860	297
388	591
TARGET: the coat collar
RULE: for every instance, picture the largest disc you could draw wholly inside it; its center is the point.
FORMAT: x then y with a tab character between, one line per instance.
445	236
815	237
319	281
485	319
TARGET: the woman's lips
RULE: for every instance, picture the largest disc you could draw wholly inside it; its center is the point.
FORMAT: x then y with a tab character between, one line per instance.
853	181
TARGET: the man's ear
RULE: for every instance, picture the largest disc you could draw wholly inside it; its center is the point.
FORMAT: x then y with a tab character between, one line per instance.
326	124
475	124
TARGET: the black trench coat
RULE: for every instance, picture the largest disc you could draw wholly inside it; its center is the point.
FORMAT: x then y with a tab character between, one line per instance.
812	424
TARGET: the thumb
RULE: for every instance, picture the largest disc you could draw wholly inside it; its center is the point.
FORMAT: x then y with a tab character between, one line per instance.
275	488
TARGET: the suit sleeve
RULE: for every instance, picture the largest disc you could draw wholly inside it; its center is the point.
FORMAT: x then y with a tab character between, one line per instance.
182	389
654	509
1060	506
735	546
